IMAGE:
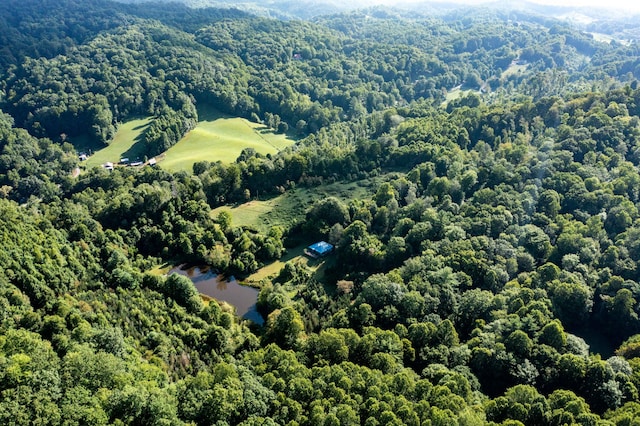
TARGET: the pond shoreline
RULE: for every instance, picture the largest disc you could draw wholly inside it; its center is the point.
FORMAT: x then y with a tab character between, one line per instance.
225	289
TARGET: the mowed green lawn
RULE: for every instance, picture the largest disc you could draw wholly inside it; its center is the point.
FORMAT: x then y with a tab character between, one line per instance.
219	137
127	143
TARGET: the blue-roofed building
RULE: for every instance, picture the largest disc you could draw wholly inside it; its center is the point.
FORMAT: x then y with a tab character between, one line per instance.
319	249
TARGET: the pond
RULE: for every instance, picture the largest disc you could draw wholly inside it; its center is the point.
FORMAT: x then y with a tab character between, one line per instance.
229	290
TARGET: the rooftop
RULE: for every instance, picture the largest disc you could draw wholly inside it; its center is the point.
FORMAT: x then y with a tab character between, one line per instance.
320	248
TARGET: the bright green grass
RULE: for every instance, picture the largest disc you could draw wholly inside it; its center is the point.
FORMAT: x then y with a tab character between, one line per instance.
292	206
126	143
160	269
294	255
218	137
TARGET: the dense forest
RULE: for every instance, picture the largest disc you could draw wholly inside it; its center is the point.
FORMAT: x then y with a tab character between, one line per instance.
492	276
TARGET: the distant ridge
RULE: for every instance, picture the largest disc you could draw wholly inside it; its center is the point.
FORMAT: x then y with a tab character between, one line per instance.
307	9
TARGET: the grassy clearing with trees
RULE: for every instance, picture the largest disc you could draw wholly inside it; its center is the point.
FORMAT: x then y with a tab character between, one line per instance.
294	255
220	137
127	143
514	70
290	207
456	93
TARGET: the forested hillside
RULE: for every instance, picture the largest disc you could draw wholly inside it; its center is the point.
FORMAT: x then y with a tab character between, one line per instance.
490	277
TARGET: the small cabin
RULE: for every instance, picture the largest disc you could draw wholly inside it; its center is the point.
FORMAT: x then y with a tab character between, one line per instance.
319	249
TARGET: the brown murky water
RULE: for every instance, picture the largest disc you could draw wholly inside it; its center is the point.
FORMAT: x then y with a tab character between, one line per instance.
209	283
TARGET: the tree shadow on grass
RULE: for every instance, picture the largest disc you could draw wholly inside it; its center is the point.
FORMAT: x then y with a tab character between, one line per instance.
141	126
85	144
209	113
138	150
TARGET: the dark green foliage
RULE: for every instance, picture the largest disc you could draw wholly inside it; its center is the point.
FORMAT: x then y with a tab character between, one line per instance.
168	127
182	290
30	166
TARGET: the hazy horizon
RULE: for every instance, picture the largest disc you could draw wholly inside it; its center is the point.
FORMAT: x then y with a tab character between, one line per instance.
611	4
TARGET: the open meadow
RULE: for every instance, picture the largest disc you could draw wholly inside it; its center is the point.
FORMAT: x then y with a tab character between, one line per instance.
514	69
292	206
219	137
456	93
293	255
127	143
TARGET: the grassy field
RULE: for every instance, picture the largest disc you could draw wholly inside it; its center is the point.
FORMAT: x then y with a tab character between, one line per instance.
126	143
513	69
291	206
456	93
221	137
605	38
271	270
295	255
